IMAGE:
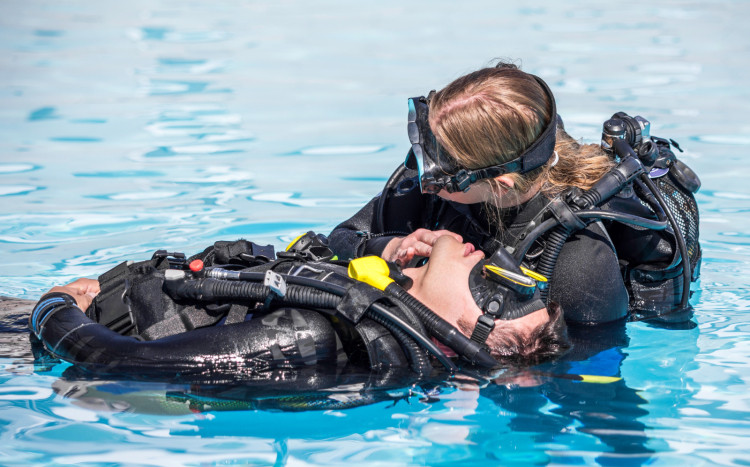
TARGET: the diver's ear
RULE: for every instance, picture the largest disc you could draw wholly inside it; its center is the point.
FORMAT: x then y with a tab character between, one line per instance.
505	183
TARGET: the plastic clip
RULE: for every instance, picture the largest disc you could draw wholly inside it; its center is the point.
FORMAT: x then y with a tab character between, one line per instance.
276	283
463	180
176	259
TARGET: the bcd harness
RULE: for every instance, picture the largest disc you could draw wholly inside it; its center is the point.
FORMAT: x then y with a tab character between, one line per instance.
649	190
172	294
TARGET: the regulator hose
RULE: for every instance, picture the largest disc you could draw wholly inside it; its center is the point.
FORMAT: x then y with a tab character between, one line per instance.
447	334
650	198
624	150
548	260
589	214
417	357
687	273
630	169
212	289
624	219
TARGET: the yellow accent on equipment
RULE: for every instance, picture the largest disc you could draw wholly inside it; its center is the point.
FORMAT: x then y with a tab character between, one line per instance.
519	279
371	270
295	241
534	275
599	379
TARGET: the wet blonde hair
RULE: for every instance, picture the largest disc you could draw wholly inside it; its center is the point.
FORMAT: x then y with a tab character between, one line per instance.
491	116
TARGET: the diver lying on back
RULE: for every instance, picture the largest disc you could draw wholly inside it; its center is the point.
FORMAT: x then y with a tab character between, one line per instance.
236	308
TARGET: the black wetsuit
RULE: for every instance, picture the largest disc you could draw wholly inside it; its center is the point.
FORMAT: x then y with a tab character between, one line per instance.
135	326
284	338
587	281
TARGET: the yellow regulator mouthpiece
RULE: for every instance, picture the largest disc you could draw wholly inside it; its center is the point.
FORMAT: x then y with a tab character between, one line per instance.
372	270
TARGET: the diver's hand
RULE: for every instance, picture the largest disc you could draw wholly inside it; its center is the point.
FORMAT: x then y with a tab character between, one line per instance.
82	290
401	250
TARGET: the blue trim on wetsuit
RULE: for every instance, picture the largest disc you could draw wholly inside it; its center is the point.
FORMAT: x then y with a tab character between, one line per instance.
49	303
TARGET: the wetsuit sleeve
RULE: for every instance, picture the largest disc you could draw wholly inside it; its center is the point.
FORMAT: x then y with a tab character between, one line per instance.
404	211
285	338
353	238
587	281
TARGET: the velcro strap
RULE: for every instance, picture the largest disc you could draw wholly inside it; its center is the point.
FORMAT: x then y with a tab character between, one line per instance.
242	251
184	320
357	300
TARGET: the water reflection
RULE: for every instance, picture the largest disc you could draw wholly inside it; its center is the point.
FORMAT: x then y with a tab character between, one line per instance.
540	409
586	392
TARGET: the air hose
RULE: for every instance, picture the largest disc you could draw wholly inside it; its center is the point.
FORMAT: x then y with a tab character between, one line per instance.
687	273
624	150
416	334
235	286
589	214
630	169
443	331
375	271
609	185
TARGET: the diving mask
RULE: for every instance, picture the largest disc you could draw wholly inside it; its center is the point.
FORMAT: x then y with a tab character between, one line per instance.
438	170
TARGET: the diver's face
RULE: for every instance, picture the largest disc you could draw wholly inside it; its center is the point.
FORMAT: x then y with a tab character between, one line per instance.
478	193
443	283
450	257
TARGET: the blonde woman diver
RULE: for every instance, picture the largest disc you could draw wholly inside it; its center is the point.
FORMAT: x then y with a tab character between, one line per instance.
489	153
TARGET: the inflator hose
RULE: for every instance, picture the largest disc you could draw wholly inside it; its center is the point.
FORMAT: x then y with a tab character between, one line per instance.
611	183
687	273
215	290
548	260
212	290
443	331
420	364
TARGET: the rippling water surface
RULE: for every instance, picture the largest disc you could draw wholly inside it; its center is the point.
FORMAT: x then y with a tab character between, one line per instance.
127	127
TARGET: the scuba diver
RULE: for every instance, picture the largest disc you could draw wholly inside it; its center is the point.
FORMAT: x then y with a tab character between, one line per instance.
612	228
236	308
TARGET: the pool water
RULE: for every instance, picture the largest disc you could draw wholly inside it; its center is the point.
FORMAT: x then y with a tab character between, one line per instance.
127	127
